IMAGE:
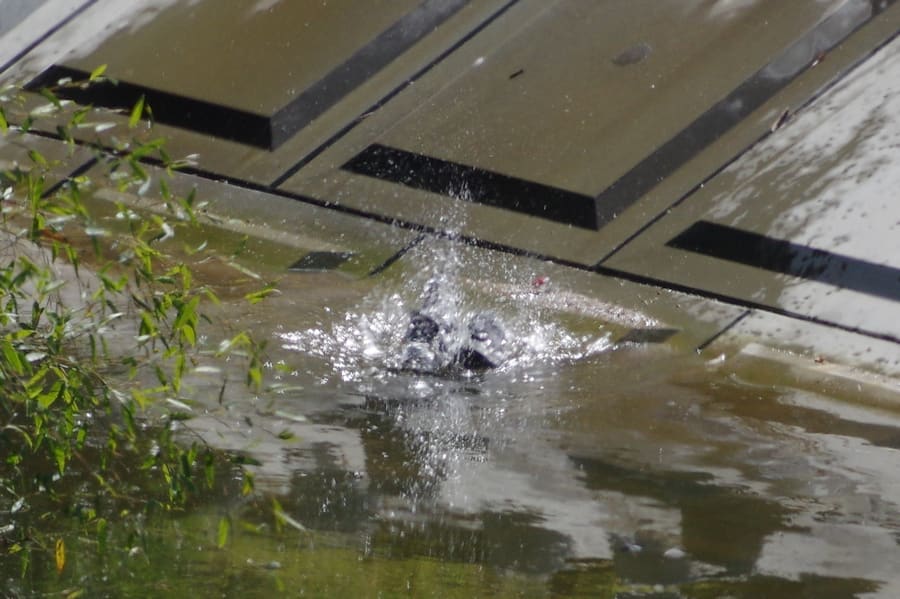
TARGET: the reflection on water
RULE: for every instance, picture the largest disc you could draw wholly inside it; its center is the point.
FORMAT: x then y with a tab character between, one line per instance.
588	468
579	469
590	476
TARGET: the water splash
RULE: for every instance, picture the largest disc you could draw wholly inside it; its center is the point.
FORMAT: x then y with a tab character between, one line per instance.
374	340
511	327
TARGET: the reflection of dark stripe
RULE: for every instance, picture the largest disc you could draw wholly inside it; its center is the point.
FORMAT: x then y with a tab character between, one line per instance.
77	172
264	131
321	261
397	255
647	336
724	330
735	107
473	184
784	257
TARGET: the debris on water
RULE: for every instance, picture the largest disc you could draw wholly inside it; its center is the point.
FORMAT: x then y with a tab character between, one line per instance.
625	544
674	553
780	122
289	416
633	54
539	283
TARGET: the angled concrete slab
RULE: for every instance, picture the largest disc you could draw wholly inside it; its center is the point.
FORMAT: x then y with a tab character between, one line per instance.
501	138
805	224
257	79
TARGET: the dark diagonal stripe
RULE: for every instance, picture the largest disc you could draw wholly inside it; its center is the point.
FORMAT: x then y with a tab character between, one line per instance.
787	258
474	184
364	63
735	107
262	130
172	109
350	126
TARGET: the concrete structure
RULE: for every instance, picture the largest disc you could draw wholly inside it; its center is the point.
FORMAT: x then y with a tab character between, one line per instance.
726	168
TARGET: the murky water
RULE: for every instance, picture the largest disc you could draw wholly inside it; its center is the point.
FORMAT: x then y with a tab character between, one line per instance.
575	468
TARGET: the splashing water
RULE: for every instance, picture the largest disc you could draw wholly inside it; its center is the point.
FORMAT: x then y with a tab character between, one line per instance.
428	327
437	325
402	348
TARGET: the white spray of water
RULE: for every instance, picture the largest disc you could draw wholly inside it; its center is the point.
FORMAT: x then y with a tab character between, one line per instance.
370	341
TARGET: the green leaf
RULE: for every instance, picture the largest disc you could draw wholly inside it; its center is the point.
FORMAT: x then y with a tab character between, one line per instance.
51	97
190	335
4	124
224	529
209	470
248	485
282	518
136	113
101	535
60	455
13	359
37	158
257	296
98	72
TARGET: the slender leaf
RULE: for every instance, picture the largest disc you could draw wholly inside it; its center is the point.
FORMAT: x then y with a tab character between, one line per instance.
136	113
98	72
224	529
60	555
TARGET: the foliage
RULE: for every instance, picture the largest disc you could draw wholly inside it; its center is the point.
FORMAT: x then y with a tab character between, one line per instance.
95	330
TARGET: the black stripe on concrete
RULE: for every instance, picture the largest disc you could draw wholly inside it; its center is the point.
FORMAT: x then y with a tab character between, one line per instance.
172	109
260	130
309	157
473	184
787	258
724	330
735	107
364	63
